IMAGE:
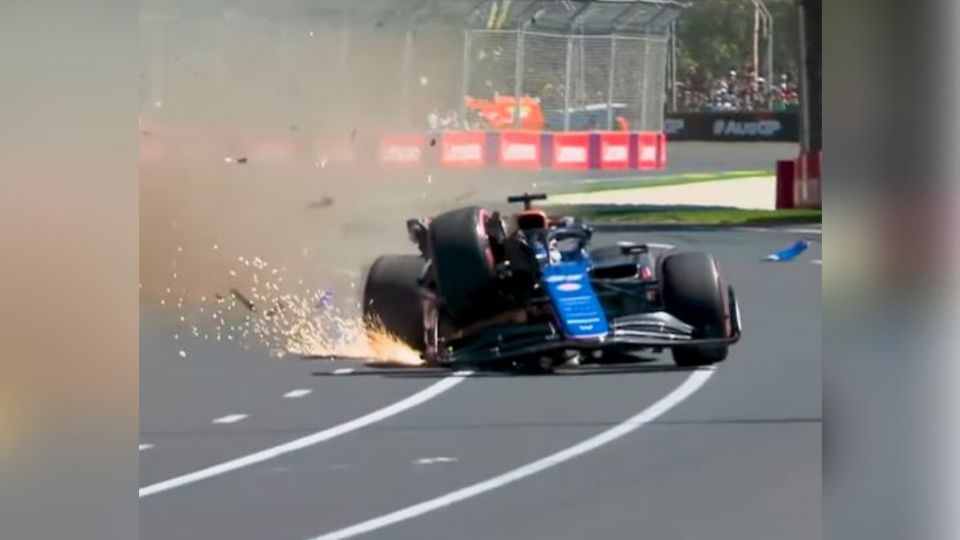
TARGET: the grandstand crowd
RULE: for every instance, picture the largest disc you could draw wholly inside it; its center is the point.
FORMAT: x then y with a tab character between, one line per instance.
735	91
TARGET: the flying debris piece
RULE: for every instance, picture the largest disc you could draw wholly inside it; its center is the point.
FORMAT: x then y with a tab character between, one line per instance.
322	203
789	253
243	299
324	300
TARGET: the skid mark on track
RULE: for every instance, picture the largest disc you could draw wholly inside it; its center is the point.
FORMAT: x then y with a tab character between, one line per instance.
409	402
692	383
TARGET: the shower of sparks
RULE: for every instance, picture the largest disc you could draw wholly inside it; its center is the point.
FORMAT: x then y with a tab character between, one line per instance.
305	322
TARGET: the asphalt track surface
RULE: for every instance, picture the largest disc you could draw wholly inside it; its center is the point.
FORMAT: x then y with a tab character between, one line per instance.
737	458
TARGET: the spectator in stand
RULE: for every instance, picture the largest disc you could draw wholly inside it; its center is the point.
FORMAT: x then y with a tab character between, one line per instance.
736	90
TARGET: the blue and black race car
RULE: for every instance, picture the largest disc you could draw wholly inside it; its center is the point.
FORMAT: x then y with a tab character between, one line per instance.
529	291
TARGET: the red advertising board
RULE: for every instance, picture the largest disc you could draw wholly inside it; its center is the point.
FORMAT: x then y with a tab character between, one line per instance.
648	150
402	149
571	151
519	150
462	149
614	150
662	151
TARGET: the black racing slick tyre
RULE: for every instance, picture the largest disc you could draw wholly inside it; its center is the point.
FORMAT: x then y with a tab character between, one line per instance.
463	263
391	297
693	293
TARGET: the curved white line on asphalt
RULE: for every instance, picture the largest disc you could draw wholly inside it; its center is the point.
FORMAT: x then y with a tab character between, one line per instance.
409	402
680	393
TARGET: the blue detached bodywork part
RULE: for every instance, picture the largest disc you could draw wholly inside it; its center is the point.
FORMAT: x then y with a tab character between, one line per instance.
790	253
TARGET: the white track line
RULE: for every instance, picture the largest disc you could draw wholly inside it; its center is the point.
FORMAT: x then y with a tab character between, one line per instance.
343	371
294	394
145	447
230	419
817	262
432	460
803	231
680	393
409	402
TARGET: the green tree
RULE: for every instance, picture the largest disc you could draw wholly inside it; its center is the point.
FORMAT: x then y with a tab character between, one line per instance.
715	36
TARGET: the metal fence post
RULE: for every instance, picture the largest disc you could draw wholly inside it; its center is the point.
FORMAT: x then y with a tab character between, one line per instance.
804	82
345	42
673	66
405	69
612	73
518	78
465	81
156	78
659	111
645	72
566	84
769	57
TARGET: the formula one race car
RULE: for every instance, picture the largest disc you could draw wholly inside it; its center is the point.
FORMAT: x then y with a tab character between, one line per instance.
528	291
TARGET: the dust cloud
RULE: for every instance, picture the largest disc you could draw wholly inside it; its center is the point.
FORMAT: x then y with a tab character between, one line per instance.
258	141
258	137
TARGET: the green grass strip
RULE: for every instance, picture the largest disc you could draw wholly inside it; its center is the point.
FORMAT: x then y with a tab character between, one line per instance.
690	216
659	181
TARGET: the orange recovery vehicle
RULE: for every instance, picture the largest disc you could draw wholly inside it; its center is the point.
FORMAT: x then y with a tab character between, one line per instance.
499	112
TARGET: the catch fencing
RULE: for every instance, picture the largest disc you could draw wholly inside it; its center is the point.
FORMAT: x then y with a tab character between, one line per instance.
582	82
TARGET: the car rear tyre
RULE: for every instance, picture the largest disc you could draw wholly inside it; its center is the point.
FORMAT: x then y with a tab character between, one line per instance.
693	293
463	263
391	297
